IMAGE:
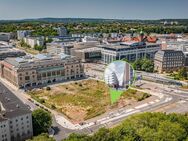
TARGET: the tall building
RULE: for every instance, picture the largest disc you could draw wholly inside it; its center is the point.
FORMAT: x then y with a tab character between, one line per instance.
62	31
41	69
22	33
15	117
128	75
168	60
128	50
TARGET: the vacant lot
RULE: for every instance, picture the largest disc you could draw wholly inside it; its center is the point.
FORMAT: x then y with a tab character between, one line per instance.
82	100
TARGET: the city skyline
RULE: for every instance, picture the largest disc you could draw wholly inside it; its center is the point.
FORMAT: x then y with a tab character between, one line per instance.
106	9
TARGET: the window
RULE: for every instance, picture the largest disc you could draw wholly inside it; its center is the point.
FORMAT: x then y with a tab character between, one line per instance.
27	77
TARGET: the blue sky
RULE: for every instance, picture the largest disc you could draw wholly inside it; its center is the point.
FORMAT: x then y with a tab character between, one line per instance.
119	9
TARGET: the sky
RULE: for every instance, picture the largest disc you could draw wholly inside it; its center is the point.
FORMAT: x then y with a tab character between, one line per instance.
108	9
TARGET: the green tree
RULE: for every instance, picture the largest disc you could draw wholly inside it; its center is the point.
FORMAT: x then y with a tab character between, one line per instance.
42	137
182	73
143	127
42	121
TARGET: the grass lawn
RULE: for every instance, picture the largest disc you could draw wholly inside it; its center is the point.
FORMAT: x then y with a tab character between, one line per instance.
81	100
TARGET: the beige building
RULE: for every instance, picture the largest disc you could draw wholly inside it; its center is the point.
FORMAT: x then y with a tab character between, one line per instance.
168	60
15	117
32	41
41	69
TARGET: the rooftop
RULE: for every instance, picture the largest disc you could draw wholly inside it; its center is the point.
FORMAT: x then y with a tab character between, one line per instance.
37	59
10	105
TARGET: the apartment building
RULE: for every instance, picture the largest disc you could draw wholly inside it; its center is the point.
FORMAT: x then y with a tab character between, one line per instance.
22	33
15	117
168	60
59	47
32	41
62	31
41	69
128	50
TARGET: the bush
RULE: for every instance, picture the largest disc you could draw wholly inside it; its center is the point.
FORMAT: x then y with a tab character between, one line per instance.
41	101
53	106
48	88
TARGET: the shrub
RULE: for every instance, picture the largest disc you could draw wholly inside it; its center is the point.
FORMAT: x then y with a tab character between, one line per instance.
48	88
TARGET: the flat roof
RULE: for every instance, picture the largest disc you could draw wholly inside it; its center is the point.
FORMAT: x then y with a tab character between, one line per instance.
13	106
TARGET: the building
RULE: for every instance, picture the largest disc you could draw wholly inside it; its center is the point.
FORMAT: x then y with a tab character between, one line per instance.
15	117
62	31
41	69
186	58
89	39
175	45
59	47
5	36
168	60
119	74
22	33
33	41
128	50
87	51
9	51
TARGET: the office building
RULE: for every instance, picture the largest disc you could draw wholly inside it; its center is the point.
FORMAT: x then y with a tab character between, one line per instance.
87	51
128	50
9	51
41	69
168	60
175	45
15	117
22	33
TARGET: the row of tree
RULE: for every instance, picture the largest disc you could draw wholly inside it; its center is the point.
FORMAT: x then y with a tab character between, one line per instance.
142	127
47	29
144	64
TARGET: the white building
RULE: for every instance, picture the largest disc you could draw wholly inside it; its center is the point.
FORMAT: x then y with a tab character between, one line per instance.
176	45
32	41
59	47
89	39
15	117
22	33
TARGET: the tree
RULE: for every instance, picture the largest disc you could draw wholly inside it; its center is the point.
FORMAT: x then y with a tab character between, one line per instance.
42	137
42	121
182	73
143	127
143	65
39	48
